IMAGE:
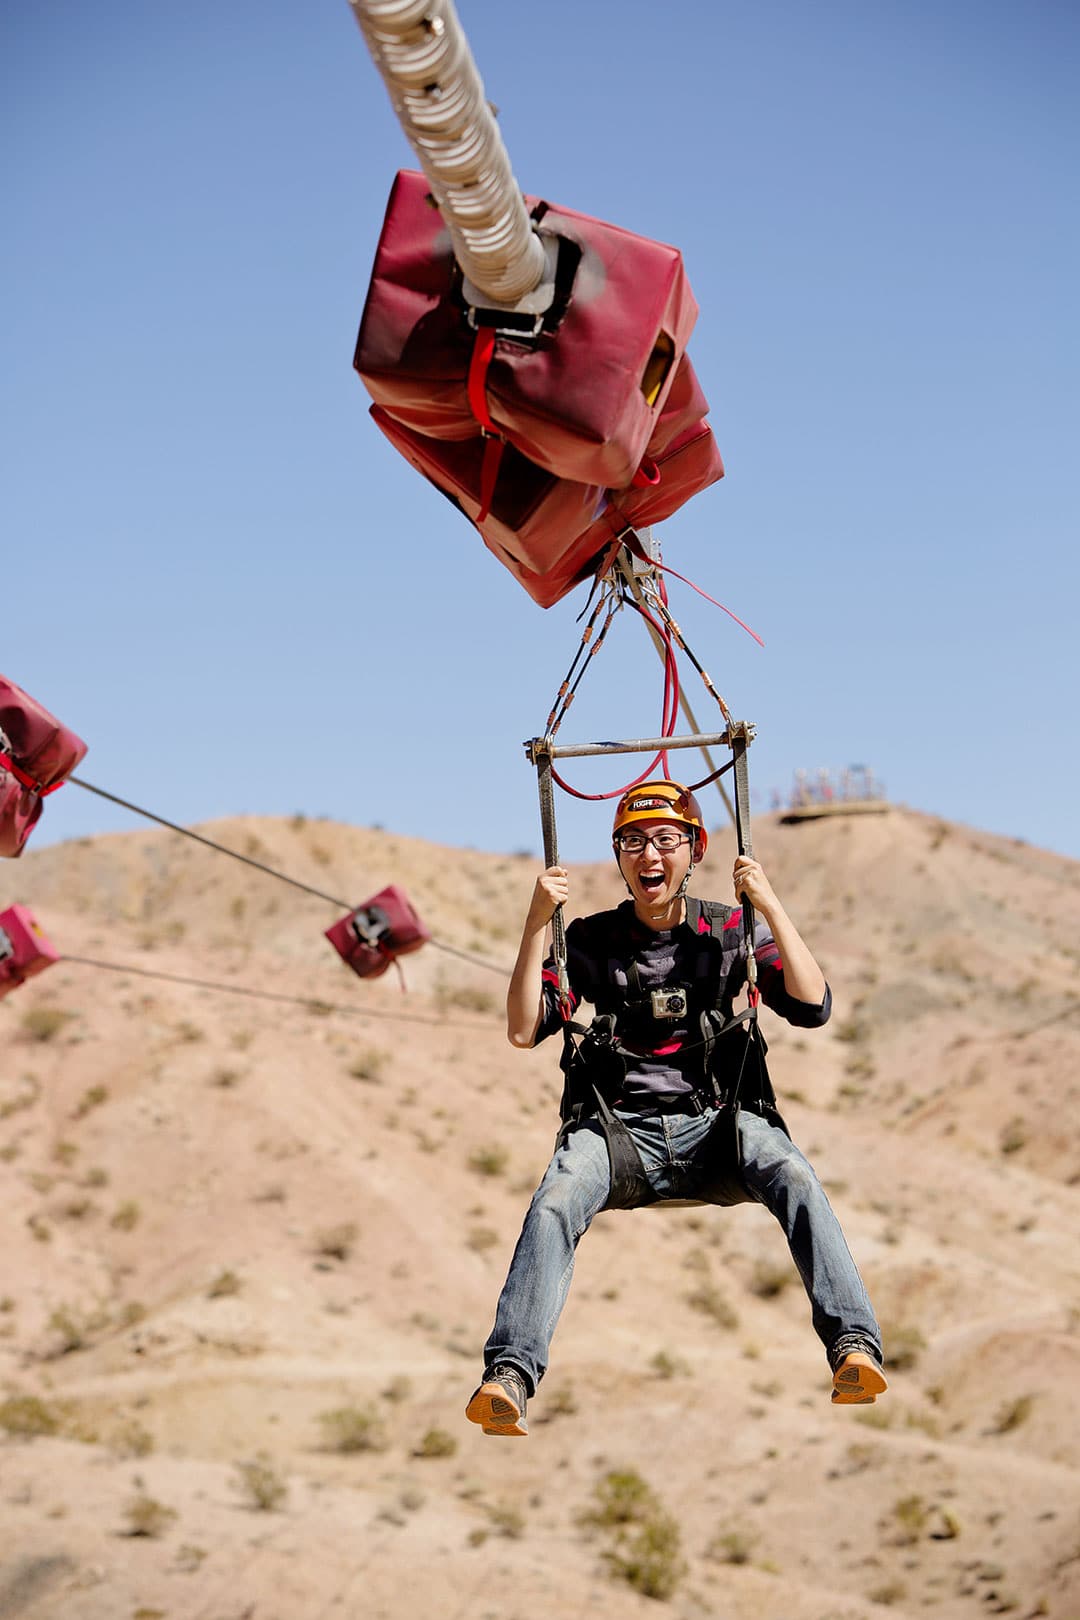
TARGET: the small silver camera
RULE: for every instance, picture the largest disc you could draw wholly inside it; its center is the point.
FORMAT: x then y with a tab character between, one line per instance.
669	1003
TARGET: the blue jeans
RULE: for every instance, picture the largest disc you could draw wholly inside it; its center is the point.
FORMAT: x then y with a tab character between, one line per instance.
575	1187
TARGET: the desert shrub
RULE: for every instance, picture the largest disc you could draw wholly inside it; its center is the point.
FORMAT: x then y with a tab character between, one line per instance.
348	1429
489	1160
859	1068
1013	1136
27	1416
648	1558
731	1547
770	1278
131	1439
261	1484
874	1417
25	1097
226	1078
709	1299
336	1242
65	1152
398	1389
482	1238
189	1557
224	1285
910	1513
889	1593
369	1063
945	1525
468	998
1011	1414
507	1520
436	1443
145	1516
903	1346
92	1098
560	1402
43	1024
71	1328
665	1365
925	1422
126	1216
621	1497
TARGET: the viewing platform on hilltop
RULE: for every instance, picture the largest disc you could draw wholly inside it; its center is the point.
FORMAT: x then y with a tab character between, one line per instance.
856	792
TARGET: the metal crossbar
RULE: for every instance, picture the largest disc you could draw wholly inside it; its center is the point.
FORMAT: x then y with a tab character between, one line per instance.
546	747
541	751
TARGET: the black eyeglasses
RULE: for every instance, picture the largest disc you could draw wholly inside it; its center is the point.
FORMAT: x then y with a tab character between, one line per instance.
665	843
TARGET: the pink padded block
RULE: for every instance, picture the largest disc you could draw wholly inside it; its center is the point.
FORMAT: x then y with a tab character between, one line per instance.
550	532
36	754
582	400
384	927
24	950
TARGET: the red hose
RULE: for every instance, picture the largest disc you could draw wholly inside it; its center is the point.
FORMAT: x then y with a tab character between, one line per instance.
668	716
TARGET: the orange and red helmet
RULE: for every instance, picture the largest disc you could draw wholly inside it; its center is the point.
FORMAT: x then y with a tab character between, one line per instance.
663	801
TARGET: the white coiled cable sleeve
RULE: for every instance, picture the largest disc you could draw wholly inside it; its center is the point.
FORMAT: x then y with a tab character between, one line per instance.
420	49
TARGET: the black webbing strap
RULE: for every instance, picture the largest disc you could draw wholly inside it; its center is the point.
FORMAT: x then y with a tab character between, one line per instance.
551	858
630	1186
742	834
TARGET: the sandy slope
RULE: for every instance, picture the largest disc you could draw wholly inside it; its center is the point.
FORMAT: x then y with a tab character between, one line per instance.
227	1217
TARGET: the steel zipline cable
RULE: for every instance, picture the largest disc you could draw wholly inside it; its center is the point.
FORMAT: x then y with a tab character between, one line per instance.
261	866
313	1004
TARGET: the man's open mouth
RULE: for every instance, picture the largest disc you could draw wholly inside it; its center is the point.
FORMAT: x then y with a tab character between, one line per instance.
651	880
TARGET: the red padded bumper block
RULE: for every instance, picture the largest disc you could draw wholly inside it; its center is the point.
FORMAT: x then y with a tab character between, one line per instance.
24	950
549	532
36	754
597	414
372	936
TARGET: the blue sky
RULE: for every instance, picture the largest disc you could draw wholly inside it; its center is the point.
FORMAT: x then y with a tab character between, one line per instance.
220	574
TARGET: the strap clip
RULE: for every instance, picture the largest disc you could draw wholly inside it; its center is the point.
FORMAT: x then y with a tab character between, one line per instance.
505	323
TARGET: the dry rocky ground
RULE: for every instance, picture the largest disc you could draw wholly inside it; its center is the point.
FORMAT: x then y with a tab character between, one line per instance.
253	1247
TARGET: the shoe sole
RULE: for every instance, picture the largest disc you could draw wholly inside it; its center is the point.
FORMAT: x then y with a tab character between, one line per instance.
858	1381
496	1411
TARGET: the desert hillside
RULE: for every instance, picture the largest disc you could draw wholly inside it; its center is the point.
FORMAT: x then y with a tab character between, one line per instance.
253	1248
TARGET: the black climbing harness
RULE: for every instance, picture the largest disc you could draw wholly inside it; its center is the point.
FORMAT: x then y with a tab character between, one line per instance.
733	1075
593	1064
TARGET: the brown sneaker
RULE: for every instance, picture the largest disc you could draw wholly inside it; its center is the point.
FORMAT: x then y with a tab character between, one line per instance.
857	1380
499	1404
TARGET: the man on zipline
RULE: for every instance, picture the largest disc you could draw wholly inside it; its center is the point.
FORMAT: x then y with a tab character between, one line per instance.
647	1107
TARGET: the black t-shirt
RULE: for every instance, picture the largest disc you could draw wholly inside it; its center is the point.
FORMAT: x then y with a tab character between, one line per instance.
663	1054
